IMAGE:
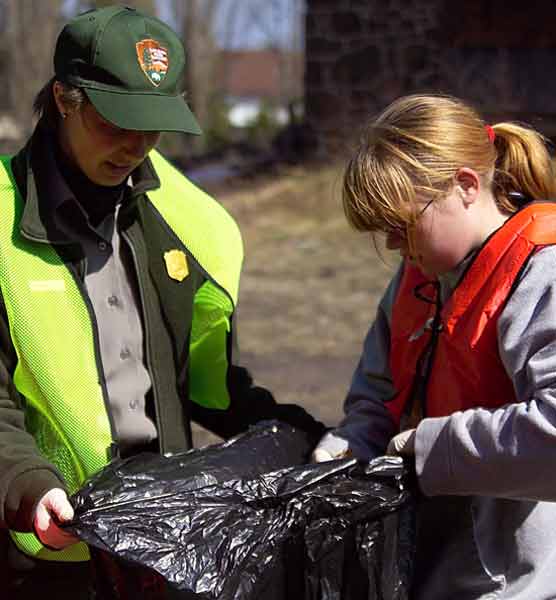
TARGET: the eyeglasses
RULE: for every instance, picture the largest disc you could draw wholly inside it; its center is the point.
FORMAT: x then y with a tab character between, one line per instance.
420	213
402	230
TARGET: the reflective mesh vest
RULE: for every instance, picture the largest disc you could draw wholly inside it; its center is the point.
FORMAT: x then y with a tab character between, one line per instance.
54	338
466	360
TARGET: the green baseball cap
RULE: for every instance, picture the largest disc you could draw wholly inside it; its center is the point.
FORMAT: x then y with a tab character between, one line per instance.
129	65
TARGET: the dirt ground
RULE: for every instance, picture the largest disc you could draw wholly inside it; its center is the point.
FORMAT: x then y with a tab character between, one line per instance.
309	288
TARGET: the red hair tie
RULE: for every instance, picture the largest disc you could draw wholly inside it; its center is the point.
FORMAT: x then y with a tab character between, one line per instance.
491	134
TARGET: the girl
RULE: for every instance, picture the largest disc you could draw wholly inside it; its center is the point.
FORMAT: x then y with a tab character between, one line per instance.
458	370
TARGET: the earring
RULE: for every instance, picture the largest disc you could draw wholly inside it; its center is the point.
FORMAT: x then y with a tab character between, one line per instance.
64	115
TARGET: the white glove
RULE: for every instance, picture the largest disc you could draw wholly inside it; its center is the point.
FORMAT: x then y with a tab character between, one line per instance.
320	455
402	444
330	447
54	506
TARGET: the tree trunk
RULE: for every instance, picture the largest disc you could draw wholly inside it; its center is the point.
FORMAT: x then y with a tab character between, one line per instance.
200	62
32	29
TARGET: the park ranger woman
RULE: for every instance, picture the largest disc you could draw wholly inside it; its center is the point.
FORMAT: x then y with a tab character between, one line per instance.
118	289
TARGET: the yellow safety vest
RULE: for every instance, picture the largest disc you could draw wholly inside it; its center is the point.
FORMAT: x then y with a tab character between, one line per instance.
51	329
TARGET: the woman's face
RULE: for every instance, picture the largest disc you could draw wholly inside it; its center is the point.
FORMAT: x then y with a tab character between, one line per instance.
105	153
445	232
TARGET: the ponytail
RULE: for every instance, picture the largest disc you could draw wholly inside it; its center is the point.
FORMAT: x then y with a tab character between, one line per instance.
416	145
524	169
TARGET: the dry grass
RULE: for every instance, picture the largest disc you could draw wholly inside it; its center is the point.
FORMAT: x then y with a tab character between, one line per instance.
309	288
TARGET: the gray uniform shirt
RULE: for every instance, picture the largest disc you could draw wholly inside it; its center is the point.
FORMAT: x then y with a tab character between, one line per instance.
113	293
501	460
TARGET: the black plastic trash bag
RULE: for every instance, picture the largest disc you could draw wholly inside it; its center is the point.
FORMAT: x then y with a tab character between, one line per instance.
236	521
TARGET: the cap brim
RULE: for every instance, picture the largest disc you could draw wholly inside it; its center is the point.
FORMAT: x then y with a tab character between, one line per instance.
144	112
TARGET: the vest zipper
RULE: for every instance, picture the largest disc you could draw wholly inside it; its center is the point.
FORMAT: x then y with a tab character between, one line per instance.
147	340
113	450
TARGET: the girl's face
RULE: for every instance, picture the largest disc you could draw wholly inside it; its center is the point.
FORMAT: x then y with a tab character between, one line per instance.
448	228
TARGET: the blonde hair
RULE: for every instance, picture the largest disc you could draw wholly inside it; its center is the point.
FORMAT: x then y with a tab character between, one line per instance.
416	145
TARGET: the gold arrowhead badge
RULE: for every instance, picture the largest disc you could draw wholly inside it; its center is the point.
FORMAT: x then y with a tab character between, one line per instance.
176	264
153	59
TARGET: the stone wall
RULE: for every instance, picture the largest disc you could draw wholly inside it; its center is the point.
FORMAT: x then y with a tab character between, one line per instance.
361	54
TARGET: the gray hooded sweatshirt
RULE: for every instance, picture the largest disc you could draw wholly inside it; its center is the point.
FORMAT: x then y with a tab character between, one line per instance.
487	524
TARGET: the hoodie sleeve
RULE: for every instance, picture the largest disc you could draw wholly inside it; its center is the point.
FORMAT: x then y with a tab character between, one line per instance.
509	452
367	425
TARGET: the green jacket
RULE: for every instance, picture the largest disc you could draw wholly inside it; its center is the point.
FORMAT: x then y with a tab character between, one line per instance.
24	474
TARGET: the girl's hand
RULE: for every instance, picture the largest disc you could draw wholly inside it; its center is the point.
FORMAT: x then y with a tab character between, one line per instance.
330	447
402	444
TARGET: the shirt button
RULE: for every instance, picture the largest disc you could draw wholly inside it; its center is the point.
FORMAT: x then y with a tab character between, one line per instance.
133	404
113	300
125	353
102	246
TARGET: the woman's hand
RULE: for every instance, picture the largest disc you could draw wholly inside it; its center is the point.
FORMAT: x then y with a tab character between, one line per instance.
54	507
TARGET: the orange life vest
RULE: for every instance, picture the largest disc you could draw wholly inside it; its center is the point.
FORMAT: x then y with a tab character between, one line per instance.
464	369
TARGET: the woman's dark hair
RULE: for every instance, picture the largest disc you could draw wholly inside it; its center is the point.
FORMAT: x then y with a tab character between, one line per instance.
44	105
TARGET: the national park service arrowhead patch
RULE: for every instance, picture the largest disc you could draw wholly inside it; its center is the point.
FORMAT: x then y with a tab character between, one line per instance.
153	59
176	264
